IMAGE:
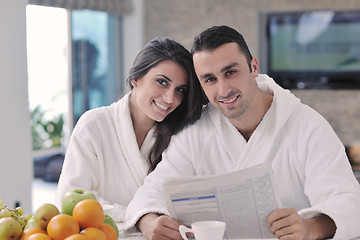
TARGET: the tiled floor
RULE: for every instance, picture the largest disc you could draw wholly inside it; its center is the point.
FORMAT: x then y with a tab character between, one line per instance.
42	192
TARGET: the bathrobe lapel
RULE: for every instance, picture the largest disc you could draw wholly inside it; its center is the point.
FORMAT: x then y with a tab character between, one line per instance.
135	159
258	149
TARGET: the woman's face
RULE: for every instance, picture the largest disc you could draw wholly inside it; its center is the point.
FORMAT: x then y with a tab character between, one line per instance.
159	92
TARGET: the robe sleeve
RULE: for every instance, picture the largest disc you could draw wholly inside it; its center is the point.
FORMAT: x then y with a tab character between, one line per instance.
329	181
81	165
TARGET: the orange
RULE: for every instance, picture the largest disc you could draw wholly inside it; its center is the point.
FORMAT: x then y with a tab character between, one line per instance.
109	231
77	236
92	233
89	213
62	226
39	236
29	231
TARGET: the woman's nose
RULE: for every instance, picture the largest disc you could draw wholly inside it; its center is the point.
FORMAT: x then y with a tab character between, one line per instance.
169	96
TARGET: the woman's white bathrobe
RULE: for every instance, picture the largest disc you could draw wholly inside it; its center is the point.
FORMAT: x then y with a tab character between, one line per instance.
103	157
309	162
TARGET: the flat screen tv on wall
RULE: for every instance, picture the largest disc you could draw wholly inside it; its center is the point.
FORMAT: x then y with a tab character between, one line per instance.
314	49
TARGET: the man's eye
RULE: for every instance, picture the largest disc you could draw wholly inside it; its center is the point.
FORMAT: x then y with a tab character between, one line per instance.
230	72
162	81
210	79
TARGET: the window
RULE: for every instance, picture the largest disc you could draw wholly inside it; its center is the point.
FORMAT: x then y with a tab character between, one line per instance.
95	62
74	65
47	43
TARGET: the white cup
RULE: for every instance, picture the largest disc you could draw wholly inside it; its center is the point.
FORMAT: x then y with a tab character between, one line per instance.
204	230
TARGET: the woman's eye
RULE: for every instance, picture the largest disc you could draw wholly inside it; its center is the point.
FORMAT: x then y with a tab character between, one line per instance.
162	81
181	90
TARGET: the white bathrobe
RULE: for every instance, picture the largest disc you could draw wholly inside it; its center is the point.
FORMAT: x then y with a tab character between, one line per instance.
309	161
103	157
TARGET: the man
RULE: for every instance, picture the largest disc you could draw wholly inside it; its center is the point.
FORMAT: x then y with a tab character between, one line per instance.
251	120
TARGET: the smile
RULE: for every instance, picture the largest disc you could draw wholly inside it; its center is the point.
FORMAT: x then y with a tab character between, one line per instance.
161	106
230	100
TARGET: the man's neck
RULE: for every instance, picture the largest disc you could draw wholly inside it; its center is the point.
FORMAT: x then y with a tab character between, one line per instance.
247	123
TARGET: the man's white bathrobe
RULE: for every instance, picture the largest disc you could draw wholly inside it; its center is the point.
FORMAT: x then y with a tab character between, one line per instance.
309	161
103	157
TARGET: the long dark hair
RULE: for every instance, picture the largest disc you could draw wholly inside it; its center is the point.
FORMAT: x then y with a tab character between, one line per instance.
155	52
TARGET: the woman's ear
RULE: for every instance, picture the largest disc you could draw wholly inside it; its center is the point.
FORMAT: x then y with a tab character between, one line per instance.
134	82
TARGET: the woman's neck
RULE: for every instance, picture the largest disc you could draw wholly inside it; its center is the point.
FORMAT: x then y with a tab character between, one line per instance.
141	123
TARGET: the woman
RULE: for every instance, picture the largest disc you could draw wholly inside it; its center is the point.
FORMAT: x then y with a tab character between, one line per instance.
113	148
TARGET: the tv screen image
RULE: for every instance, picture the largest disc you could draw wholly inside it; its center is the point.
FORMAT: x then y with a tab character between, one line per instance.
314	49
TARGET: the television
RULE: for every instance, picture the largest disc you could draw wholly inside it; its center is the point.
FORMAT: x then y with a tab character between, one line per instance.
313	49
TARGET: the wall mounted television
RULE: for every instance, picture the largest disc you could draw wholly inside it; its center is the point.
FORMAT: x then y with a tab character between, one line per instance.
313	49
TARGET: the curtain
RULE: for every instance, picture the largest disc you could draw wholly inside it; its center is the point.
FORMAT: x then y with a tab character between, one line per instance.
115	7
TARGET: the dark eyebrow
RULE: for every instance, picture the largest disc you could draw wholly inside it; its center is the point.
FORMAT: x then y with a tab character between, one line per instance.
206	75
164	77
185	85
228	67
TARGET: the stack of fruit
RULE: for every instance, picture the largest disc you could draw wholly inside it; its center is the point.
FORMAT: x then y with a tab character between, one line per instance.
82	217
12	221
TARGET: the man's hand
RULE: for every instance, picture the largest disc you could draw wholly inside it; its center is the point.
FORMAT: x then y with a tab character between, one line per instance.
286	224
153	226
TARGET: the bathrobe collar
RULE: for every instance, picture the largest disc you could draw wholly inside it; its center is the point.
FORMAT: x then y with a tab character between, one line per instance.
283	105
135	157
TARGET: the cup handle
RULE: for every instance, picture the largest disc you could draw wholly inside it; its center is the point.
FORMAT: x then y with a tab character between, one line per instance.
183	230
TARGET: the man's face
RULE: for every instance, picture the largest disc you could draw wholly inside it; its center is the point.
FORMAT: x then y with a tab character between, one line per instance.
226	79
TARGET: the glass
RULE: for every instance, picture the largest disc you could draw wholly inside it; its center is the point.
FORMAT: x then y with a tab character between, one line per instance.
96	71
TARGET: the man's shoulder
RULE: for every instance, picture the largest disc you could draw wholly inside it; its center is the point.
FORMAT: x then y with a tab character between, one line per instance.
305	119
304	111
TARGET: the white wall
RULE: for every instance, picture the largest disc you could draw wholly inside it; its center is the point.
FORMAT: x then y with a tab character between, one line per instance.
15	142
133	37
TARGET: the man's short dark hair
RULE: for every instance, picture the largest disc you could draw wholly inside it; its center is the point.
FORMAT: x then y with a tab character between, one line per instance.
216	36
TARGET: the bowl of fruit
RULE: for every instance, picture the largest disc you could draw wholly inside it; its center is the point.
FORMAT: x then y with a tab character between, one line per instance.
85	218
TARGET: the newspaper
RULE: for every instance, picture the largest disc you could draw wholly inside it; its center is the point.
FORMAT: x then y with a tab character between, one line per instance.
243	199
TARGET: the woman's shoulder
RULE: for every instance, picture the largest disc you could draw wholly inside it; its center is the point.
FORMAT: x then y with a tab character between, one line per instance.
95	114
97	119
104	112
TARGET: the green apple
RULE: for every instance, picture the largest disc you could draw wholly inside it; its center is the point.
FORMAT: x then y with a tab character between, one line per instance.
31	223
9	229
112	223
44	213
72	197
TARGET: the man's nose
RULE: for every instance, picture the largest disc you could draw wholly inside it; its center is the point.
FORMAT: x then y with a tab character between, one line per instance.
223	87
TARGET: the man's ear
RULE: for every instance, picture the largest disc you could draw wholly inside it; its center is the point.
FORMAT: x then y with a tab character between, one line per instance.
254	67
